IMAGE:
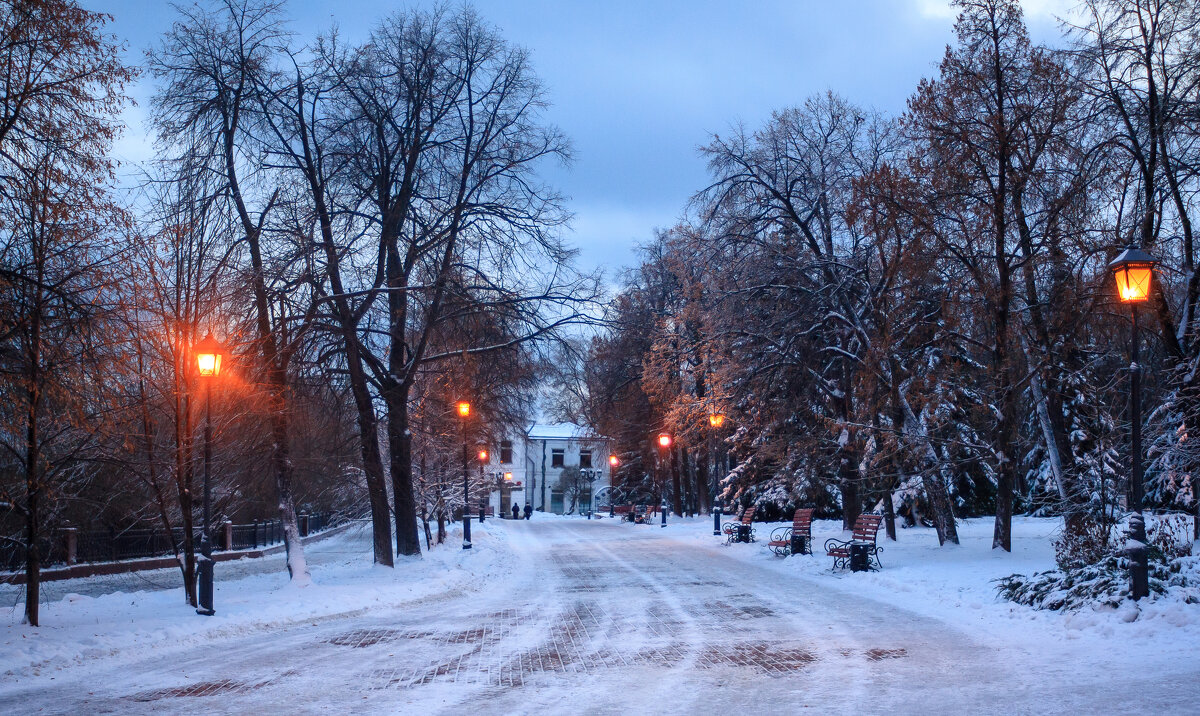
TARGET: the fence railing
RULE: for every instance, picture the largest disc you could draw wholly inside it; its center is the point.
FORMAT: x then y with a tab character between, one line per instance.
69	546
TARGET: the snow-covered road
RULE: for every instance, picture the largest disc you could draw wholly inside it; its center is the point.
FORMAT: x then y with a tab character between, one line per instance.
603	617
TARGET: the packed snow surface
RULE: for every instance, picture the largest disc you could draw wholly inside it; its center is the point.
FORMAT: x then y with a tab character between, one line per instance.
565	615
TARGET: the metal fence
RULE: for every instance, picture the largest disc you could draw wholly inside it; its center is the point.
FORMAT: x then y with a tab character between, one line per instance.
114	546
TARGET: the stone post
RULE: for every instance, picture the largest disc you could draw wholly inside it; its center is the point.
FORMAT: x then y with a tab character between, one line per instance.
228	535
72	537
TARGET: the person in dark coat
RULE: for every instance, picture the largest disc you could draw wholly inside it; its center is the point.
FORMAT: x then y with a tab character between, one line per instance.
528	510
516	512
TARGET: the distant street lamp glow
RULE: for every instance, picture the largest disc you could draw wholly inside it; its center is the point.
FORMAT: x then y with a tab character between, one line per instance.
716	420
464	409
483	456
664	440
614	460
508	477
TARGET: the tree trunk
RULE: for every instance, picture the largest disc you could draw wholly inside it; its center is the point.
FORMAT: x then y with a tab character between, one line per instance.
408	541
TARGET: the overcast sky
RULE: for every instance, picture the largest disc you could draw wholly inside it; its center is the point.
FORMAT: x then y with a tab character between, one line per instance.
639	85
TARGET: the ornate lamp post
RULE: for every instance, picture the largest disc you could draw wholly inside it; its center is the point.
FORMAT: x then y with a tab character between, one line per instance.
613	463
715	421
483	458
664	444
208	365
464	412
1133	270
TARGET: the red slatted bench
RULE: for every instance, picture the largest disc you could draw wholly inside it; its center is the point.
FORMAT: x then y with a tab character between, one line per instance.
740	530
866	527
798	537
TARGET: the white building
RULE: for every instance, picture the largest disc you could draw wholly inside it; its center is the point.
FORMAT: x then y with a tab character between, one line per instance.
536	468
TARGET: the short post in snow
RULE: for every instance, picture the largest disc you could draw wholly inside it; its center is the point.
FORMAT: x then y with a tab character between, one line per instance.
664	513
716	518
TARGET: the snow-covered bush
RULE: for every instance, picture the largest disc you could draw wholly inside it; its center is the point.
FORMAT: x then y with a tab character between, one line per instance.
1105	582
1172	535
1087	544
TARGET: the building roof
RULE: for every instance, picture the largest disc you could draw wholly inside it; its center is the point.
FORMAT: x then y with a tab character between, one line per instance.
561	431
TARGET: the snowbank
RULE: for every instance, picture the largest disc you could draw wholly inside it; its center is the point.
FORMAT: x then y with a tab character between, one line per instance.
956	584
78	628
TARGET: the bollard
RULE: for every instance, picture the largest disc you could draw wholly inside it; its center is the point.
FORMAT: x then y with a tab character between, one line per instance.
228	535
72	535
303	525
664	515
716	519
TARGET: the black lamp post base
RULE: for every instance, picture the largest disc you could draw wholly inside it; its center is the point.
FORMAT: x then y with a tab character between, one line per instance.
204	573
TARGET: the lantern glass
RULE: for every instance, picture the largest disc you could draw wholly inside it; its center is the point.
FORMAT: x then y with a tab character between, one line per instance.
209	364
464	409
483	456
716	420
664	440
1133	282
208	356
508	477
613	460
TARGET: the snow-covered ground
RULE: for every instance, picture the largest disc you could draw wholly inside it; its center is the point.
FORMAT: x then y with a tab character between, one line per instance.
93	618
564	615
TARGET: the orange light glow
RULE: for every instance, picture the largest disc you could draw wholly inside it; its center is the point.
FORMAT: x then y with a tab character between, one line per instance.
716	420
508	477
614	460
664	440
1133	270
464	409
1133	283
483	456
208	357
209	364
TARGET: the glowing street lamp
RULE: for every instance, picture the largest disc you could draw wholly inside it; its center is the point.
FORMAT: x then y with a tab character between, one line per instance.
614	461
208	364
1133	271
715	421
483	458
464	412
664	443
208	356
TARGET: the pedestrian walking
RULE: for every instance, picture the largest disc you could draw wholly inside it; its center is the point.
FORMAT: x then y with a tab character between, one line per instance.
516	512
528	510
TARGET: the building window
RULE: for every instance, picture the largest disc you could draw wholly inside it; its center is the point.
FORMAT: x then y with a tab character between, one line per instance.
506	451
585	459
557	456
